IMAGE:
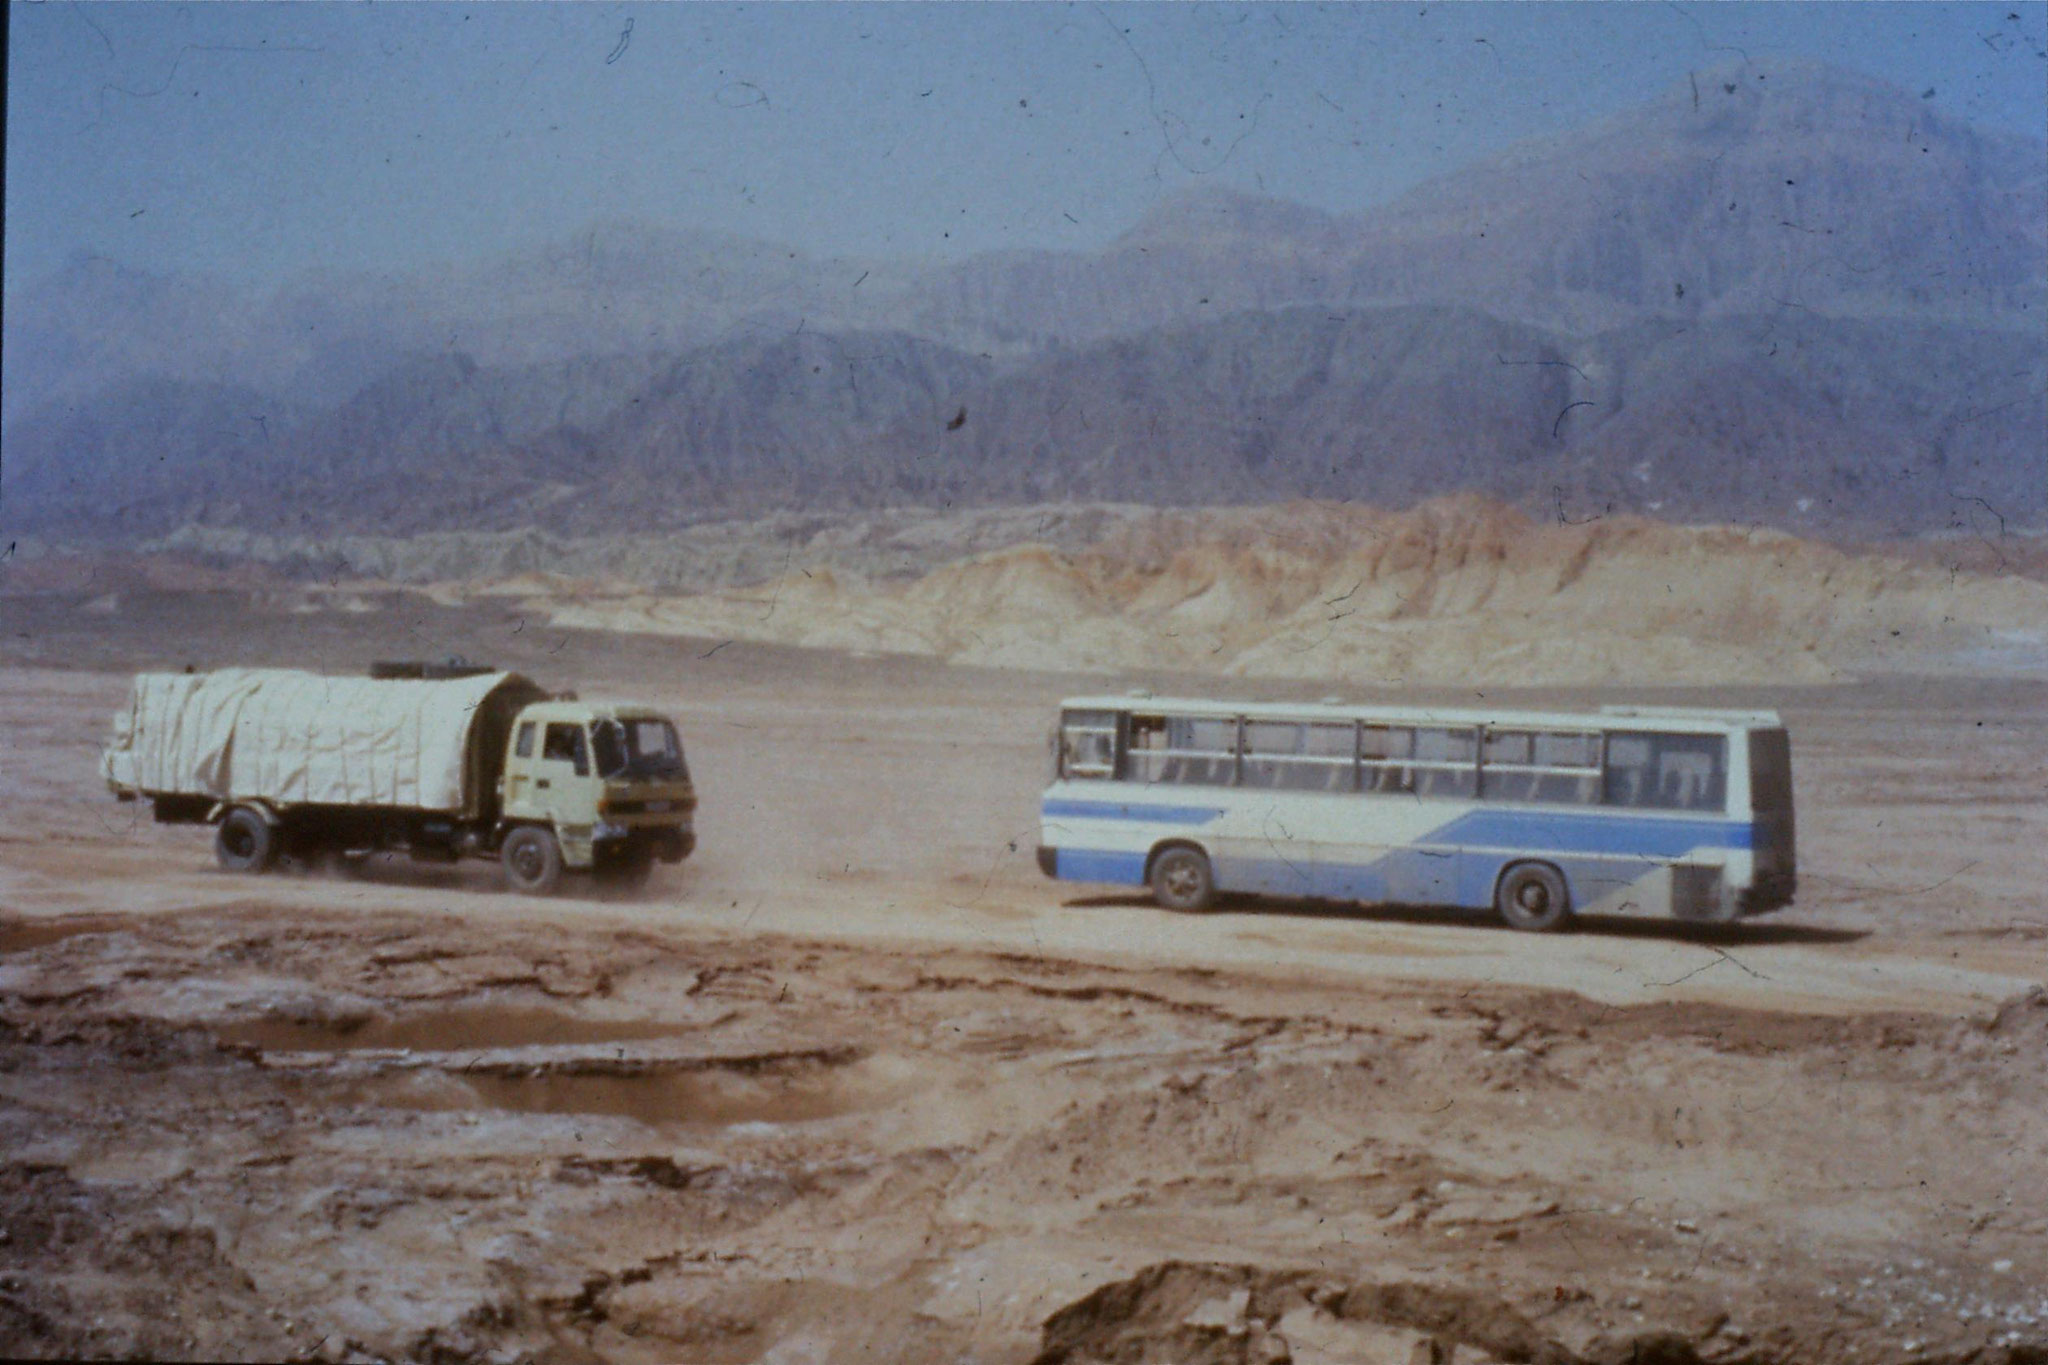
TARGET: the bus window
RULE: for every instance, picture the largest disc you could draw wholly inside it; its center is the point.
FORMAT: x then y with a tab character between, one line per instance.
1206	748
1298	756
1189	750
1667	771
1145	758
1510	775
1381	749
1446	762
1269	747
1332	754
1526	765
1570	768
1088	744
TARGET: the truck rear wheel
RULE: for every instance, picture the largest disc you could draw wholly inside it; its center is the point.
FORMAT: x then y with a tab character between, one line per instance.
245	842
532	860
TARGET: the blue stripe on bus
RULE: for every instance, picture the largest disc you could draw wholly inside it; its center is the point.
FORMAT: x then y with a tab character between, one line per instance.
1413	877
1090	865
1634	834
1130	810
1597	854
1403	876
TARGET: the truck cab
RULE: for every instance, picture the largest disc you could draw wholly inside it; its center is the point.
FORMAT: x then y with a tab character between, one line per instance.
606	785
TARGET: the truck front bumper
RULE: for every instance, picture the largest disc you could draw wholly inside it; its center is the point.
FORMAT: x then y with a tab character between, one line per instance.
669	843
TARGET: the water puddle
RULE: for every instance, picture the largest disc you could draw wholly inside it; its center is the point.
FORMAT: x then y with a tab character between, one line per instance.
790	1088
474	1028
27	935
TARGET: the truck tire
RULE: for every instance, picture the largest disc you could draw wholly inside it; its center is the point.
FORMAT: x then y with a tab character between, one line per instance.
245	842
532	860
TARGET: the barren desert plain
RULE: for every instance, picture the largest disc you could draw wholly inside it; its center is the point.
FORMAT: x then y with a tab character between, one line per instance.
856	1083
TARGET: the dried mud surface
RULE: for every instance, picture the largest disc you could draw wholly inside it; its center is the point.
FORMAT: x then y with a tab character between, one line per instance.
856	1083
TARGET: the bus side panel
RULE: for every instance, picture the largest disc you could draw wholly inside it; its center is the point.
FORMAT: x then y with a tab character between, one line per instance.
1421	876
1618	885
1317	845
1098	865
1267	876
1104	832
1353	881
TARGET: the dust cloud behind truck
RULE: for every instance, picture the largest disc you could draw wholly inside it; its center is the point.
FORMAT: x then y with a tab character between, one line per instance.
442	761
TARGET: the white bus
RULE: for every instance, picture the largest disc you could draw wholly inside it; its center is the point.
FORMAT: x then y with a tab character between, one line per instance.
1538	815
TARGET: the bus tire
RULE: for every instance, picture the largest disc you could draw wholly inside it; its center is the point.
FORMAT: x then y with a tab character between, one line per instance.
1182	880
1533	897
532	860
245	842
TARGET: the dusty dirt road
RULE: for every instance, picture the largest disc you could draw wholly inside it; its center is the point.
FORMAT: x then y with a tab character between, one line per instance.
855	1083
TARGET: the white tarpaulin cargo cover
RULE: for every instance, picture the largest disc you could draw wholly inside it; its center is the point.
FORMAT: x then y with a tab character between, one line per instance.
292	737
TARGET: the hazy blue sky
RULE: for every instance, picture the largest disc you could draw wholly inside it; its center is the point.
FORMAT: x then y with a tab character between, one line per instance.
258	140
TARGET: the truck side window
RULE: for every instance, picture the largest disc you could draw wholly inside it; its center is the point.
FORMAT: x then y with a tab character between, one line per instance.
565	742
524	746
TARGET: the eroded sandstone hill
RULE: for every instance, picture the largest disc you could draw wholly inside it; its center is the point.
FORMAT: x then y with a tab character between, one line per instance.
1454	590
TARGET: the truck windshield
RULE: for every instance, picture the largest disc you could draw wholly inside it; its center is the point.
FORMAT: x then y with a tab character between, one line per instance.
637	748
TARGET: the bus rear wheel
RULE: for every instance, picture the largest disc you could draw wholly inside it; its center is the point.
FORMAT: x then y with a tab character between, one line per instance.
1181	880
1533	897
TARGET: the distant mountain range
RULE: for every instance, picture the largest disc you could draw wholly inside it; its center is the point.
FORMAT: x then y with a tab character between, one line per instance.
1784	294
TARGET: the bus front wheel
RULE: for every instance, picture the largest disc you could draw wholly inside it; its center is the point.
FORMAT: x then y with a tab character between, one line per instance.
1533	897
1181	880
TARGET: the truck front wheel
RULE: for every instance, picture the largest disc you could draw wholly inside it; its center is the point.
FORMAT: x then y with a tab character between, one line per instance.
245	842
532	860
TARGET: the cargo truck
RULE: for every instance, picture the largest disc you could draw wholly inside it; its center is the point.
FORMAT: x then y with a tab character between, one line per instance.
443	761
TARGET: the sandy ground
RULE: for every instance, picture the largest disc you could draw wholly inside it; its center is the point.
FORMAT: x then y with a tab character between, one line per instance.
855	1083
